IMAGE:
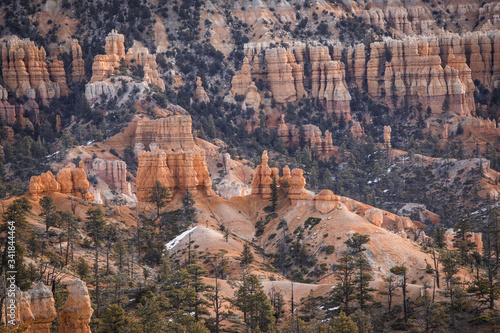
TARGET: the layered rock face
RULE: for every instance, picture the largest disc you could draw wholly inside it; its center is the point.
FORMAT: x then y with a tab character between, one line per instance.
114	173
170	133
78	74
76	312
321	145
35	309
105	64
24	67
283	71
179	171
43	309
435	71
69	180
7	111
292	184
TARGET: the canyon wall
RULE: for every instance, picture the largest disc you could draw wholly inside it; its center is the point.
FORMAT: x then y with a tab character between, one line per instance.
24	67
434	73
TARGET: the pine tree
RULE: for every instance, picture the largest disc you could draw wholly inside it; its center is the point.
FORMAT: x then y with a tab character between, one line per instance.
343	324
113	320
188	210
462	239
343	292
401	271
450	263
159	195
251	299
48	210
246	256
95	225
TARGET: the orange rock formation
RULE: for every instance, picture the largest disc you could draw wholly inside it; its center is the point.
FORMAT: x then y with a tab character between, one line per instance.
78	74
170	133
69	180
7	111
24	67
105	65
179	171
200	95
76	312
43	309
321	145
285	76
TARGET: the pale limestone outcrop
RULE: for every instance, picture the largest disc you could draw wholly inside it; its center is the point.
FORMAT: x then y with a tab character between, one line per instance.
200	95
227	189
139	55
43	309
252	99
113	173
78	73
24	66
94	90
170	133
326	201
75	314
375	216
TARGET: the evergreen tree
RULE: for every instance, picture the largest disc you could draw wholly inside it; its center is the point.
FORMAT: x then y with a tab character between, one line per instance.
48	210
462	239
450	263
95	225
343	324
246	256
188	210
113	320
438	237
251	299
343	292
401	271
159	195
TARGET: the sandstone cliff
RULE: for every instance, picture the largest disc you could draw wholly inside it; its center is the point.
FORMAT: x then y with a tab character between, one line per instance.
24	66
169	133
179	171
283	71
200	95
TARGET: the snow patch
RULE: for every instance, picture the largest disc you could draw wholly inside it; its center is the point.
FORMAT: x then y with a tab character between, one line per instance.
170	245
